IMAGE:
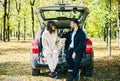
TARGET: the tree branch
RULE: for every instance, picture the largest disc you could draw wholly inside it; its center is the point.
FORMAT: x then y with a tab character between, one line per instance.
18	6
32	2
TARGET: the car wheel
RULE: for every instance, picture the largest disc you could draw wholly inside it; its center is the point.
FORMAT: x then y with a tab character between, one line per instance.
35	72
88	72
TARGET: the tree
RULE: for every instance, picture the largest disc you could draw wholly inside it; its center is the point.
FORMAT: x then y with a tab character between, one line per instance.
24	27
4	20
32	3
109	31
20	17
1	29
119	23
18	8
8	22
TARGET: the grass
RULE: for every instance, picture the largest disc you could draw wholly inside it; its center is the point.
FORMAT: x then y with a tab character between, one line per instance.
14	63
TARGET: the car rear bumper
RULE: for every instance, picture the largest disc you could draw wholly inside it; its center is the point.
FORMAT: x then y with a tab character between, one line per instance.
45	66
35	62
86	62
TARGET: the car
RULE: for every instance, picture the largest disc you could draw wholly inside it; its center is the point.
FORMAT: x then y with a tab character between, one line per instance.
61	14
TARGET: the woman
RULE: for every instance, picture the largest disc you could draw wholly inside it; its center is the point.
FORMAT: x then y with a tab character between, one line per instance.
50	48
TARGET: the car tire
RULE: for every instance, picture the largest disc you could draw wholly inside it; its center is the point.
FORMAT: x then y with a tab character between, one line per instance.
88	72
35	72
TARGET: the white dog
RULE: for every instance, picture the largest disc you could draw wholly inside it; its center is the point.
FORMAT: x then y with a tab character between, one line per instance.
61	44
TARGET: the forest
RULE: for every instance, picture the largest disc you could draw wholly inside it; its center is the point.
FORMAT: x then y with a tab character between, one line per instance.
18	20
19	25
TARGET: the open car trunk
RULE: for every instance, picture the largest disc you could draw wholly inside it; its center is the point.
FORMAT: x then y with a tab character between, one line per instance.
62	14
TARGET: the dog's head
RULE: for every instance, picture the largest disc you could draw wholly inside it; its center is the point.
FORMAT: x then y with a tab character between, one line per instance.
62	42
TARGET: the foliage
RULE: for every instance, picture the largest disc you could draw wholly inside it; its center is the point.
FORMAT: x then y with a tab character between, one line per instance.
95	23
99	16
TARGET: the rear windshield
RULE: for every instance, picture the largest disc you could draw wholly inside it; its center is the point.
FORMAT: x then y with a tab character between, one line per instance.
47	15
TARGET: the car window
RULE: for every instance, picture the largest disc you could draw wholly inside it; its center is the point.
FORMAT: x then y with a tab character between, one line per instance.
57	14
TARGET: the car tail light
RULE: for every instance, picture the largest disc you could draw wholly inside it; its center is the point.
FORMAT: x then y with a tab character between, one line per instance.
89	49
35	49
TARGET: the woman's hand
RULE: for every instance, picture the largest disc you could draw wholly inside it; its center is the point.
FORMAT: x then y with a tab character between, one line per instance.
51	52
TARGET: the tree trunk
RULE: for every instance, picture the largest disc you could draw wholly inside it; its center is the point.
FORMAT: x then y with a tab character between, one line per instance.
1	30
18	8
119	23
8	25
105	34
109	32
8	34
32	2
18	30
24	28
1	33
32	16
4	21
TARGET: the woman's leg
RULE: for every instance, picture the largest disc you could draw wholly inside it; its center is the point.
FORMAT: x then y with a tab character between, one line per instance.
50	62
55	58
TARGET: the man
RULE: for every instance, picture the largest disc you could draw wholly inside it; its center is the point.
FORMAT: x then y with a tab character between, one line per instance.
75	51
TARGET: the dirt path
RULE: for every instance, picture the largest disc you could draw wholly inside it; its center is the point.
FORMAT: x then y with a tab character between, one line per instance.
14	63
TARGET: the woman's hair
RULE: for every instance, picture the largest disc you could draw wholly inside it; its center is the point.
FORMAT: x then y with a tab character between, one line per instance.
49	26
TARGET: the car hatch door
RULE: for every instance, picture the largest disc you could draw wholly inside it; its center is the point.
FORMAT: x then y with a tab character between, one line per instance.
62	12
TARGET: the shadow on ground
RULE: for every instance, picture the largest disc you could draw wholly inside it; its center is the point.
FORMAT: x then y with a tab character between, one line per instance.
105	69
14	50
14	68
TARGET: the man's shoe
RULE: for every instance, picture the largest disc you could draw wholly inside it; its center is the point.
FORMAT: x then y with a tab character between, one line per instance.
70	78
78	76
70	69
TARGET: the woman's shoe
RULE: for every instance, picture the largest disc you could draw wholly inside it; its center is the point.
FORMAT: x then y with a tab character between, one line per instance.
54	75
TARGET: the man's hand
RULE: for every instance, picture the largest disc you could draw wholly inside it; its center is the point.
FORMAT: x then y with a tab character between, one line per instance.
73	55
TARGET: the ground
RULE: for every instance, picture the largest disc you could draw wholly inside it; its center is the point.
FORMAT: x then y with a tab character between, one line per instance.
15	62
